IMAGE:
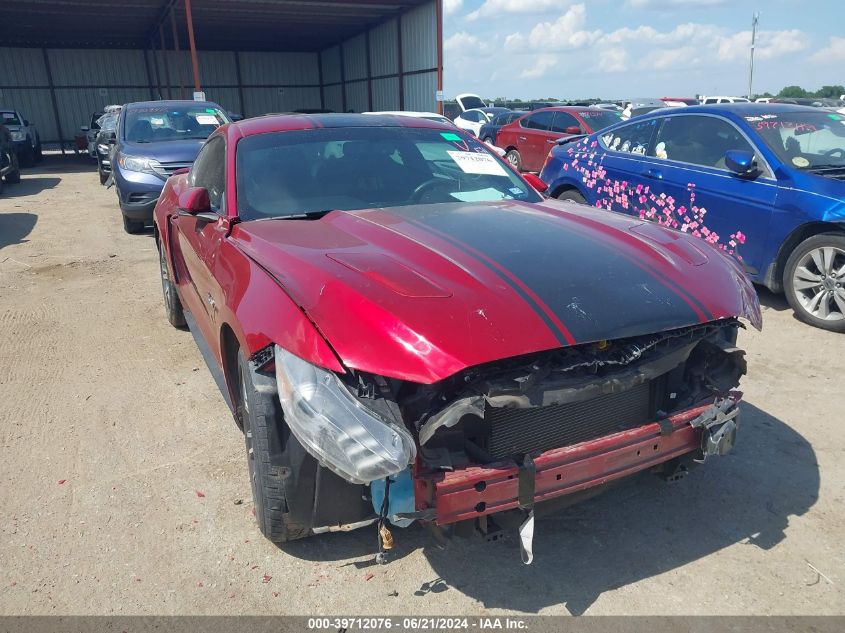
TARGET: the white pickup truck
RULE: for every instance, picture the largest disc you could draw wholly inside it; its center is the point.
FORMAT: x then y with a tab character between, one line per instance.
24	136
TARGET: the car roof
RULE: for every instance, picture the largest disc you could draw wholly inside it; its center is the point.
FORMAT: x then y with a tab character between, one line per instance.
740	109
171	102
293	122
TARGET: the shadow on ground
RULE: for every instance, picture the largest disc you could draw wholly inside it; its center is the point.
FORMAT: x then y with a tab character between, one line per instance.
640	529
772	300
14	227
67	164
30	185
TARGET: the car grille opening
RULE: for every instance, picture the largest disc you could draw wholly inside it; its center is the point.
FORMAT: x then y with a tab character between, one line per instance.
167	169
521	431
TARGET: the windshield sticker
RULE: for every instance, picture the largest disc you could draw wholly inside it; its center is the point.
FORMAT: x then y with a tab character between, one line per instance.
482	195
206	119
800	128
835	117
449	136
9	115
800	161
472	163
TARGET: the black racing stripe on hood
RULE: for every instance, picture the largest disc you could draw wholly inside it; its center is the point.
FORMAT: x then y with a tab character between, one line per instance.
559	331
593	289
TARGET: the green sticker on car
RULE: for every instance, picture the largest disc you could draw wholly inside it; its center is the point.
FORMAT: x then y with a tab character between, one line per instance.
835	117
449	136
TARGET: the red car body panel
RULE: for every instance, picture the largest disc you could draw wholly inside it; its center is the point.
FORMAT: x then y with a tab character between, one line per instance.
534	145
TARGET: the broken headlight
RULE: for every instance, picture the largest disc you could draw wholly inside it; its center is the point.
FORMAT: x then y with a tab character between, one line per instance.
335	427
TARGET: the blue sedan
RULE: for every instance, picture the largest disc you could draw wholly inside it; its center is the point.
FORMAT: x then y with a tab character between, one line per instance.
764	183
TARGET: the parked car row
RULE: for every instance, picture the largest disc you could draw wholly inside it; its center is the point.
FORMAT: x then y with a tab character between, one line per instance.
24	136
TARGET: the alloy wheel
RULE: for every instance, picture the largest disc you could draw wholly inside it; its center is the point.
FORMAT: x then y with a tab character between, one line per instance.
819	283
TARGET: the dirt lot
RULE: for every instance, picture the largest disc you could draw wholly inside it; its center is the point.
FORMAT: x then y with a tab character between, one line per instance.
122	471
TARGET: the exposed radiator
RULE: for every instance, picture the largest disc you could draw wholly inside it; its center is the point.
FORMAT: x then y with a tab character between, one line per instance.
519	431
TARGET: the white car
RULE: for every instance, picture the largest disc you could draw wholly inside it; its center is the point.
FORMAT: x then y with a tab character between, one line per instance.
714	100
469	101
431	116
763	99
472	120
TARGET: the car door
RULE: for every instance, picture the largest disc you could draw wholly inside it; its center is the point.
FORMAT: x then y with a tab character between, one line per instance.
199	239
621	181
703	196
532	137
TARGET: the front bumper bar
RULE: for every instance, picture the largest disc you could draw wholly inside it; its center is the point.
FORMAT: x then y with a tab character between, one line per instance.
475	491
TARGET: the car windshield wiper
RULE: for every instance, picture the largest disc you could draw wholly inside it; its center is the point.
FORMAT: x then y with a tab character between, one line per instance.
825	167
308	215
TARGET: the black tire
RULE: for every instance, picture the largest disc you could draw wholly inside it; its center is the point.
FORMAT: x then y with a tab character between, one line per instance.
831	283
273	484
132	226
514	159
14	177
27	156
103	175
172	303
1	185
487	139
39	155
572	194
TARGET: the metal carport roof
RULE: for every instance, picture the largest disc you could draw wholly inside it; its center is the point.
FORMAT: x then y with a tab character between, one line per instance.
254	25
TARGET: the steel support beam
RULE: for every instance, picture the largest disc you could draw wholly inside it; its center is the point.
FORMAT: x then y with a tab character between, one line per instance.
193	45
53	99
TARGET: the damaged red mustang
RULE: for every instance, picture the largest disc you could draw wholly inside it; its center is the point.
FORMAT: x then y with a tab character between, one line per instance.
406	330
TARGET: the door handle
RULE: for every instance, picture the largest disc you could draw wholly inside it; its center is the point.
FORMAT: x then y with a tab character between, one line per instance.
653	173
523	138
550	141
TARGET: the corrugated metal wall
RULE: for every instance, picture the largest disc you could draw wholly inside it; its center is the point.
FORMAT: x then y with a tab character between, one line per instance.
354	76
397	80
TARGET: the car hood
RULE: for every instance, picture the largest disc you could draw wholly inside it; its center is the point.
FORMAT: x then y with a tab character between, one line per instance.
165	151
422	292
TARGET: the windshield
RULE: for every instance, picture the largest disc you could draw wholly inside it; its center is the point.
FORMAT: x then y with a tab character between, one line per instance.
151	124
9	118
806	140
600	119
284	174
108	122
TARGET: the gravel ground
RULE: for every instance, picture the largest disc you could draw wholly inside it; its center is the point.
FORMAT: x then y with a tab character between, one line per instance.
125	491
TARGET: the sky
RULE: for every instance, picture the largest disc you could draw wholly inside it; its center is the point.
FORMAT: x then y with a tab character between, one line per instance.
614	49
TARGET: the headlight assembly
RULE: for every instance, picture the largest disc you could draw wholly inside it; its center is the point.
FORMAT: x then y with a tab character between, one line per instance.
17	135
137	163
335	427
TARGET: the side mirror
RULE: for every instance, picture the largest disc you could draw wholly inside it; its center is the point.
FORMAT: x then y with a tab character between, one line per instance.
573	129
181	170
85	128
235	116
25	123
535	182
741	162
194	201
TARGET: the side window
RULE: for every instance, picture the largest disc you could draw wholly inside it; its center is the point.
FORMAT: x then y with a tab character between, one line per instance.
710	101
635	138
209	171
539	121
699	140
564	120
475	117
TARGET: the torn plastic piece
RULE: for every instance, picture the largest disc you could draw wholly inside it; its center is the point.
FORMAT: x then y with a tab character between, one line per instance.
719	424
526	539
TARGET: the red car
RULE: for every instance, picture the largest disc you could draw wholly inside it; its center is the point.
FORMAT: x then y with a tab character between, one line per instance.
406	330
527	140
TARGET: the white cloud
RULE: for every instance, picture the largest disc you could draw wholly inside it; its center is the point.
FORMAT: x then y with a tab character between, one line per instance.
672	58
463	44
833	52
452	6
674	4
565	33
493	8
770	44
613	60
541	64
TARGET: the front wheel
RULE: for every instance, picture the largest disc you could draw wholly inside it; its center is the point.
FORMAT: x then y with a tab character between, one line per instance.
571	194
514	159
132	226
814	281
172	303
39	154
283	512
488	140
27	156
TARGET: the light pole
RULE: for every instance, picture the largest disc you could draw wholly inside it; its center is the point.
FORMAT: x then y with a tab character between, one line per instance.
755	18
